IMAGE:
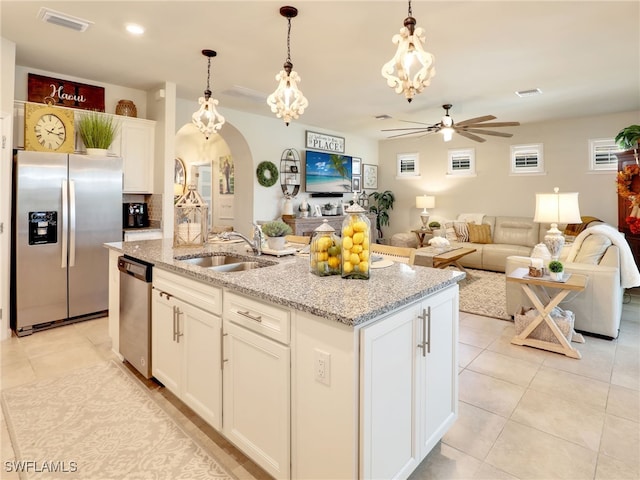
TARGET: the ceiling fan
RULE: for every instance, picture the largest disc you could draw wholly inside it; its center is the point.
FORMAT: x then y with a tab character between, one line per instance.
468	128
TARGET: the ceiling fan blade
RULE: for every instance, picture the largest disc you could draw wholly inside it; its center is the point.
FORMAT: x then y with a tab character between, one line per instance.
487	132
419	123
471	136
426	132
412	128
495	124
475	120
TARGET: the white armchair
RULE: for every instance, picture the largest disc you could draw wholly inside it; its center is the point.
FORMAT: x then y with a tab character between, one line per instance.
598	308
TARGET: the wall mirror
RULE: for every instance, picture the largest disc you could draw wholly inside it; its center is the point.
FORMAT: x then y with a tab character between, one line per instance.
179	178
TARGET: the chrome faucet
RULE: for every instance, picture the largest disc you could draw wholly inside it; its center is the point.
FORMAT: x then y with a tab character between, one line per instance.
256	244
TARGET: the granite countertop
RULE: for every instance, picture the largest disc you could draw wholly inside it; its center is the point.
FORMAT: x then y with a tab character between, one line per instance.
290	283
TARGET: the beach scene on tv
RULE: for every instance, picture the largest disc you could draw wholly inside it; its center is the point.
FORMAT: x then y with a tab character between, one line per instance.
327	172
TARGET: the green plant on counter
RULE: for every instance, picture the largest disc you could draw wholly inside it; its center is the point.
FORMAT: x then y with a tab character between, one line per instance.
276	229
434	224
555	266
97	130
628	137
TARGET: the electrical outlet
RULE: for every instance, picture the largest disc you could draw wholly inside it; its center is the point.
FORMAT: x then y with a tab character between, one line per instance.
322	367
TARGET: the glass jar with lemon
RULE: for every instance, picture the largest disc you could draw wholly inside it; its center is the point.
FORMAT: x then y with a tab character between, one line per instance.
356	230
324	251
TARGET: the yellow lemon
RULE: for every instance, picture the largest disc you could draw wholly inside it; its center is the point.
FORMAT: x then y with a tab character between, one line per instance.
347	231
323	256
333	262
347	243
346	254
347	267
364	255
357	249
363	267
358	238
359	226
365	243
354	258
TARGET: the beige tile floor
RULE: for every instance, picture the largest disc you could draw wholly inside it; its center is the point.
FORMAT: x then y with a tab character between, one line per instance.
523	414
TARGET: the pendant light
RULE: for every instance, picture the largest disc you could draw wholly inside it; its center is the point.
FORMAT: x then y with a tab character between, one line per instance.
287	101
411	69
207	118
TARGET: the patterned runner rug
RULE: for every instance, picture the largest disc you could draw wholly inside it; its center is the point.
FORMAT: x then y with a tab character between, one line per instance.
99	423
484	293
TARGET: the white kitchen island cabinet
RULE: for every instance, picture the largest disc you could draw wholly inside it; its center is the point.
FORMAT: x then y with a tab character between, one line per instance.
186	343
322	378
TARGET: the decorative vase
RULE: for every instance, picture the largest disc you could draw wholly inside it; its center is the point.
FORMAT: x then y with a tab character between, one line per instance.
556	276
101	152
126	108
276	243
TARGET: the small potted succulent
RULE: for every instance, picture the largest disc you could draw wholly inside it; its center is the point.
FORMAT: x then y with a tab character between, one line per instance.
556	270
329	209
275	232
435	228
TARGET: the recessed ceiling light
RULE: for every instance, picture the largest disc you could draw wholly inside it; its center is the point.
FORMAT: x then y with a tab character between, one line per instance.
135	29
529	93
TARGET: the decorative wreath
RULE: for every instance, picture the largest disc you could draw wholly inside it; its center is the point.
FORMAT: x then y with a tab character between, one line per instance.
264	179
624	180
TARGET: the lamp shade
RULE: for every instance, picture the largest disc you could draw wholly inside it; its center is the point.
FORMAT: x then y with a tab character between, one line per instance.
557	208
425	201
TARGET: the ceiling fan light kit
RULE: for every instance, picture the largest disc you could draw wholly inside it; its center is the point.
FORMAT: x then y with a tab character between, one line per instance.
207	118
288	102
411	68
470	128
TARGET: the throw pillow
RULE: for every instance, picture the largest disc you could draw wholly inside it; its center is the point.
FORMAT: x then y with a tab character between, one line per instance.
479	233
450	232
592	249
462	231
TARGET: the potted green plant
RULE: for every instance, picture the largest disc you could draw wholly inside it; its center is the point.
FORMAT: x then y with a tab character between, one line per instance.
275	232
383	202
556	270
97	131
329	209
628	138
435	228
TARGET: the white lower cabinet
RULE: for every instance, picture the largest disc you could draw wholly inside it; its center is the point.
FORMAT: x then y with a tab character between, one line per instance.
256	385
409	387
186	343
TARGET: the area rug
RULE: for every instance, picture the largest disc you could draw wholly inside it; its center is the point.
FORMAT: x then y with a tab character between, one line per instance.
484	293
99	423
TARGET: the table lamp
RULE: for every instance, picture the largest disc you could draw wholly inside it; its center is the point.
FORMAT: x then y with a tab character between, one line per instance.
424	202
556	208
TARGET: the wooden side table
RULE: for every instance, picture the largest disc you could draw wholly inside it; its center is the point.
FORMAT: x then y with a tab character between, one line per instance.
575	283
423	236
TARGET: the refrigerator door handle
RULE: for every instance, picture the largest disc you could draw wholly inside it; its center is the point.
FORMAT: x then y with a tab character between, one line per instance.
65	222
72	223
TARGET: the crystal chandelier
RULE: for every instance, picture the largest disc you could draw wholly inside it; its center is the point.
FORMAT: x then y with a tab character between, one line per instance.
287	101
411	69
207	118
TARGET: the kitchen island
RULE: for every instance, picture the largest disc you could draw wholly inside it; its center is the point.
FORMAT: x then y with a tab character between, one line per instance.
318	377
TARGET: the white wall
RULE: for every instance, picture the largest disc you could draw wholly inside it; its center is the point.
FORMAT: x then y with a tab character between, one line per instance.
493	190
7	66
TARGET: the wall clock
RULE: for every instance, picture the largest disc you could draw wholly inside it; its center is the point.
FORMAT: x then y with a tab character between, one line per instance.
48	129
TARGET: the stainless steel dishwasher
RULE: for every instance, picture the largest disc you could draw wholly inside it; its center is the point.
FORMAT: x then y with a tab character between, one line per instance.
135	313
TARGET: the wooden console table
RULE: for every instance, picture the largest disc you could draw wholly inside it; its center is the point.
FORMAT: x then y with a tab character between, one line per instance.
576	283
306	225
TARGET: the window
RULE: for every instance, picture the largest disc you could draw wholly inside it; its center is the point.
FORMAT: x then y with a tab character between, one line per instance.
602	154
461	161
527	159
408	165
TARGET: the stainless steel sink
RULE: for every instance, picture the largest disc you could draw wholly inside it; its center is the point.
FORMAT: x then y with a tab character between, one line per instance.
226	263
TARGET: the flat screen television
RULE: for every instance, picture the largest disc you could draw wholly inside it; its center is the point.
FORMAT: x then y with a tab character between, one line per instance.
327	172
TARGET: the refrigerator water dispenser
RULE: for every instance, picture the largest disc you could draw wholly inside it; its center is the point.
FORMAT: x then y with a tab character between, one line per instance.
43	228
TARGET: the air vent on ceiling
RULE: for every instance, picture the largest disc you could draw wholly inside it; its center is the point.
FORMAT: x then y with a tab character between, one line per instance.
383	117
246	93
529	93
64	20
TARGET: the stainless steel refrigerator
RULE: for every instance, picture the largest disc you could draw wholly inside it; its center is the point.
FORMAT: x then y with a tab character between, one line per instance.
65	207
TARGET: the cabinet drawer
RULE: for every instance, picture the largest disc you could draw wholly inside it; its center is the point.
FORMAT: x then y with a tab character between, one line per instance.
263	318
206	297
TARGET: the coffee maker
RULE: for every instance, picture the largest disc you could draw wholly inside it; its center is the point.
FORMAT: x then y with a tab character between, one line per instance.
135	215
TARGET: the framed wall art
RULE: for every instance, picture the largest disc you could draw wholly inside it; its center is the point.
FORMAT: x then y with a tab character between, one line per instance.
355	183
356	166
322	141
369	176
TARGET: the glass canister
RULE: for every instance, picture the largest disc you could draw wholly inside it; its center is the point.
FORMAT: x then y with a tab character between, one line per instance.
324	252
356	233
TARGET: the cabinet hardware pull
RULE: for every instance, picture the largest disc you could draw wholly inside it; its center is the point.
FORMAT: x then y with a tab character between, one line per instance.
257	318
425	344
174	323
222	360
178	332
429	329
